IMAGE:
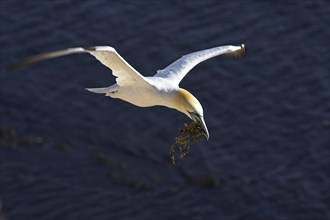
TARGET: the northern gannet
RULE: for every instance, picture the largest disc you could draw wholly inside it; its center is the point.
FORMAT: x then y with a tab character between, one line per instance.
162	89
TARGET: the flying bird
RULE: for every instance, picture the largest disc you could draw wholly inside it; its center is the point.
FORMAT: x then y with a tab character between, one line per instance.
162	89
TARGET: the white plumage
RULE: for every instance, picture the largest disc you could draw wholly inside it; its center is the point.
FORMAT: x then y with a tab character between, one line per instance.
161	89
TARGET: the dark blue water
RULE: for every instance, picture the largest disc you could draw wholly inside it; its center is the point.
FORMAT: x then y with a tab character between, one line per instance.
70	154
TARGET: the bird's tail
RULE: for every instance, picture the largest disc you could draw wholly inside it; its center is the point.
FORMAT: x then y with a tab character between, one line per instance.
98	90
104	90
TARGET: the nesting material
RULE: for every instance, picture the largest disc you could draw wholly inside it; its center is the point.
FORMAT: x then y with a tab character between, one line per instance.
189	135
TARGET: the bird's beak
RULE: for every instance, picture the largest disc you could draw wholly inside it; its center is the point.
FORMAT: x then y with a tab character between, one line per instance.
200	120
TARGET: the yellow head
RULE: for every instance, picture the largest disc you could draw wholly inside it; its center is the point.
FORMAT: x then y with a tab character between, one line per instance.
190	106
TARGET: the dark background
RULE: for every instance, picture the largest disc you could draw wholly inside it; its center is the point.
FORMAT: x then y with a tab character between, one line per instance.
70	154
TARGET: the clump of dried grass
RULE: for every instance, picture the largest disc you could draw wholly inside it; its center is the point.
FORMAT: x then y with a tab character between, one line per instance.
188	135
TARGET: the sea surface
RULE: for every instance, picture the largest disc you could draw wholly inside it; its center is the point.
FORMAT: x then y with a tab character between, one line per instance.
69	154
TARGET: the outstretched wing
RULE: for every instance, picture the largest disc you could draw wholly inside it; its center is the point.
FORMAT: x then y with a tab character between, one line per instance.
108	56
179	68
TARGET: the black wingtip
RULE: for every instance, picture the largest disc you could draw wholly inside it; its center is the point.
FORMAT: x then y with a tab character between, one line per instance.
19	65
13	67
238	53
243	48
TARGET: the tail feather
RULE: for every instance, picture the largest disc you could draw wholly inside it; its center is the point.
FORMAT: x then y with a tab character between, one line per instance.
99	90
